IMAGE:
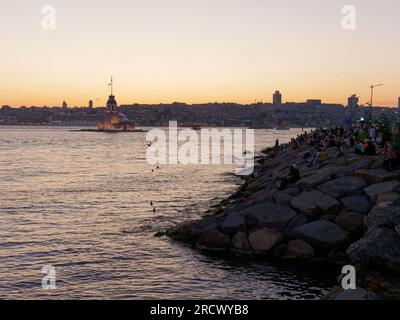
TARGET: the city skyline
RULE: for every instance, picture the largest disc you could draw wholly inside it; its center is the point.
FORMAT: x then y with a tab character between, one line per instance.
200	52
277	99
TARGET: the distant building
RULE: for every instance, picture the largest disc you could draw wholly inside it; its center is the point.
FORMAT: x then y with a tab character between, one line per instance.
65	105
114	120
352	104
314	102
398	105
277	98
90	104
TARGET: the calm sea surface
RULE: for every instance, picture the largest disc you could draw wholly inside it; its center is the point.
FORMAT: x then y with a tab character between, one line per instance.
80	201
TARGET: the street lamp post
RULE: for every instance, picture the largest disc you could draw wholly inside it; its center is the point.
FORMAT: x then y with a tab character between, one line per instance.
372	87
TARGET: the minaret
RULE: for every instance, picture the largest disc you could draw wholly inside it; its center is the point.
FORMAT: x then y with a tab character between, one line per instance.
112	106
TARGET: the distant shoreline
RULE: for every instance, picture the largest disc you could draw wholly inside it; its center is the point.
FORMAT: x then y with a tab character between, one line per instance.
147	126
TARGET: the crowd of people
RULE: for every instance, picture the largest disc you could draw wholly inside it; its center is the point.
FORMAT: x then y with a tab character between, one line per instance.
365	140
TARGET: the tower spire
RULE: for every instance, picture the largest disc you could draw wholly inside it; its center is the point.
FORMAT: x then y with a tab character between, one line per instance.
111	85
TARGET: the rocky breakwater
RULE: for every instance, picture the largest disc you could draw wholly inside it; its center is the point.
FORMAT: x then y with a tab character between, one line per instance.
345	211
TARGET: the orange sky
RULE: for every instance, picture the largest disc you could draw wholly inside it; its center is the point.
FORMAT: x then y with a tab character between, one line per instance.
198	51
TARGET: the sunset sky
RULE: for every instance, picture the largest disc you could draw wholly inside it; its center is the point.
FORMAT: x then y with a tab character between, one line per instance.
198	51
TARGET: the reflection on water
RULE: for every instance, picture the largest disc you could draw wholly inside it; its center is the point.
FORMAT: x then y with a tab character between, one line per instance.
80	201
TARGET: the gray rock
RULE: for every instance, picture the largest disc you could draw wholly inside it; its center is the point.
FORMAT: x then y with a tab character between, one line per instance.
315	203
351	168
213	240
191	229
383	217
268	214
352	222
359	204
233	223
322	234
280	249
282	198
380	247
329	217
299	249
297	221
375	190
338	257
374	176
292	191
240	242
342	187
356	294
387	199
321	176
264	239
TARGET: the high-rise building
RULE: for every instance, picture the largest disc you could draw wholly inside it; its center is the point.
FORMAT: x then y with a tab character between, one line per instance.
398	105
277	98
352	104
90	104
65	105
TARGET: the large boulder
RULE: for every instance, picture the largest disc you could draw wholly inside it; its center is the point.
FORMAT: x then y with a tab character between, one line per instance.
375	190
378	247
383	217
233	223
285	196
191	230
299	249
282	198
297	221
181	231
279	250
342	187
387	199
322	234
264	239
269	214
213	240
315	203
358	294
321	176
374	176
240	242
359	204
352	222
349	170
